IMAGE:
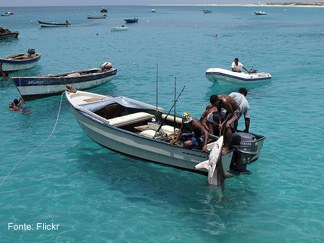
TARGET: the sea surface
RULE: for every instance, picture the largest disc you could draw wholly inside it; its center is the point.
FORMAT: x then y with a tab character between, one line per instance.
51	173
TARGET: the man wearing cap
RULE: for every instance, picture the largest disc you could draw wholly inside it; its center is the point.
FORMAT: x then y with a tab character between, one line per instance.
192	133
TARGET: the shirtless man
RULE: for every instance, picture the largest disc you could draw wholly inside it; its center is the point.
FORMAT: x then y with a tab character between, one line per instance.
232	114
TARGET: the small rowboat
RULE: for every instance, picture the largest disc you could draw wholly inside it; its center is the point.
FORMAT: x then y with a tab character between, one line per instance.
5	33
54	24
19	62
119	28
227	77
260	13
102	16
131	21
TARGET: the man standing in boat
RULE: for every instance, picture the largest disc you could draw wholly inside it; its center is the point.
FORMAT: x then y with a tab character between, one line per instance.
232	114
237	66
240	98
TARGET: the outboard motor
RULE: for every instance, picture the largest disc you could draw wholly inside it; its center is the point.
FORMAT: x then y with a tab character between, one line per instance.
245	147
31	51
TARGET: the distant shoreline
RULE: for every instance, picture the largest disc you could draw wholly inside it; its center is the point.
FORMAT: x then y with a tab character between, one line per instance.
302	5
288	4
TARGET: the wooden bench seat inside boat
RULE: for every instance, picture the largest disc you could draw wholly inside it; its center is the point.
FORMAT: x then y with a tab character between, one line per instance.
130	119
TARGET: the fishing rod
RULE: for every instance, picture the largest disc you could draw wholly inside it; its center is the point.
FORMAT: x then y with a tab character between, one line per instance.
174	103
174	110
157	87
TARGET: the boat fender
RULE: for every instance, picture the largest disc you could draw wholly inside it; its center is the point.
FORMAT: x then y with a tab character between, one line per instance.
106	66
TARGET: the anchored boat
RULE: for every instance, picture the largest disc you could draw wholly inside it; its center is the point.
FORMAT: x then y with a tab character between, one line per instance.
54	24
31	88
19	62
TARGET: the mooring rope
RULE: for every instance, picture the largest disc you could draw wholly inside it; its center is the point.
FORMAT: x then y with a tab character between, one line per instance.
38	146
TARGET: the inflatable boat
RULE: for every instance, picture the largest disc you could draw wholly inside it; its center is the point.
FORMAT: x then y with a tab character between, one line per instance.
227	77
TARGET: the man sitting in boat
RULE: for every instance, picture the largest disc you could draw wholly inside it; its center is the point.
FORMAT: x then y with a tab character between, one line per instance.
192	133
240	98
233	112
237	66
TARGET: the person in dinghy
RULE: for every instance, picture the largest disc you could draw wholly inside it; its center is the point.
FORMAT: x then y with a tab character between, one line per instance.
237	67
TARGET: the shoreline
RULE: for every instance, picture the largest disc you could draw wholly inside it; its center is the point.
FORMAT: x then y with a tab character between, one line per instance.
286	5
244	5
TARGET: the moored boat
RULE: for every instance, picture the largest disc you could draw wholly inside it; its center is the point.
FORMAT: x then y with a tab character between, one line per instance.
119	28
54	24
206	11
101	16
143	131
130	21
42	86
19	62
9	13
227	77
260	13
6	33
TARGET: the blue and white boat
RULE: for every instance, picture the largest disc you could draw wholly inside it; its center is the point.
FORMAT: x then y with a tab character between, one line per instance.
101	16
54	24
19	62
31	88
227	77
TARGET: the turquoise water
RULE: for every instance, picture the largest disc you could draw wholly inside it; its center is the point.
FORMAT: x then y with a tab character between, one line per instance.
99	196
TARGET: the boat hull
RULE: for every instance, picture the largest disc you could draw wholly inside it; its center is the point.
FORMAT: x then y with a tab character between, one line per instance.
119	28
53	24
11	65
31	88
9	35
131	21
226	77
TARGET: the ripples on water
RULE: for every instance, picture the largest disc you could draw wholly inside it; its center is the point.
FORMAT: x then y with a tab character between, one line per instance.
97	195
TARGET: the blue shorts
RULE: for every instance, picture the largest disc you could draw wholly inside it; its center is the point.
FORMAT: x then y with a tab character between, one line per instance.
196	142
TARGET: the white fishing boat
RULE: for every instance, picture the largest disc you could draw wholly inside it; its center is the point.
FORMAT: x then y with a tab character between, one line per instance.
32	87
227	77
143	131
19	62
119	28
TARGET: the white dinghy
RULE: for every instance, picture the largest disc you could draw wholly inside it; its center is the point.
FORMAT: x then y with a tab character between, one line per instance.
227	77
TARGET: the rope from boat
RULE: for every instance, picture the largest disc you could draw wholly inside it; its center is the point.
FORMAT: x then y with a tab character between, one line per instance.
38	146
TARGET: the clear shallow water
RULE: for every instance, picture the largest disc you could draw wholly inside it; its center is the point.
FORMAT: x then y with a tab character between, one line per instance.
97	195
